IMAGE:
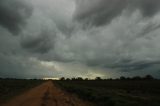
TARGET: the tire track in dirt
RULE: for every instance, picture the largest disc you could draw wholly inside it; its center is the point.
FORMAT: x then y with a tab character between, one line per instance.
47	94
48	98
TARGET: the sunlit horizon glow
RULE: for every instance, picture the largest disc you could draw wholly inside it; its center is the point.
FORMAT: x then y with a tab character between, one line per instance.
51	78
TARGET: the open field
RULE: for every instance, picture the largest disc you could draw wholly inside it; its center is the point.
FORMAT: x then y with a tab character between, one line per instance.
13	87
45	94
96	92
116	92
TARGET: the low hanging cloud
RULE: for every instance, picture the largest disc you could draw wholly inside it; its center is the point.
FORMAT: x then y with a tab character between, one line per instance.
101	12
13	14
40	43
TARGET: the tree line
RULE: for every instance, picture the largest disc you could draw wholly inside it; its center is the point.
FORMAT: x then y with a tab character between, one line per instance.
147	77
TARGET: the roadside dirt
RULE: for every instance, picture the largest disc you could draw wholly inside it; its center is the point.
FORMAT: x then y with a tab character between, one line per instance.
46	94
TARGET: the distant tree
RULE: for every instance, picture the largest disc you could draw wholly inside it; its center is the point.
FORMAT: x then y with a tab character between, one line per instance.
79	78
62	78
128	78
122	78
110	79
98	78
35	79
67	79
73	79
148	77
137	78
86	79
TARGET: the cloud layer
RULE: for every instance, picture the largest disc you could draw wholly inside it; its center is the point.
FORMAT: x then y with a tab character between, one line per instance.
86	38
101	12
13	14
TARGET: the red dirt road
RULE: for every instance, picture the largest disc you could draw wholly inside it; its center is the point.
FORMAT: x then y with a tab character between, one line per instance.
46	94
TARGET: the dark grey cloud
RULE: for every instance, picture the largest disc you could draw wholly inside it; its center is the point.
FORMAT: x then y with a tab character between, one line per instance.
130	65
101	12
150	29
147	7
123	65
40	43
24	67
13	14
98	12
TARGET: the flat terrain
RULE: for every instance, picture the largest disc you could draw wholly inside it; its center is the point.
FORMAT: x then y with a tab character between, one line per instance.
10	88
116	92
46	94
76	93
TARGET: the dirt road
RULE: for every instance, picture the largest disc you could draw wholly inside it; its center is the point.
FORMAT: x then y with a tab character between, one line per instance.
46	94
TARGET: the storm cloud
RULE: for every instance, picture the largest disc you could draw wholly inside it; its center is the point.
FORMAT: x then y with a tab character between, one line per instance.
86	38
40	43
13	14
101	12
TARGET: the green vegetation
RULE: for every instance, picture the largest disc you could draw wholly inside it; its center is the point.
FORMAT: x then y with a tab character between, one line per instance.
12	87
121	92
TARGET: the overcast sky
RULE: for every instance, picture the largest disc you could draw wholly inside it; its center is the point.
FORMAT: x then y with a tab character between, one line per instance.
85	38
